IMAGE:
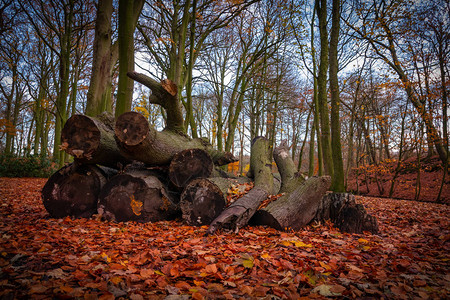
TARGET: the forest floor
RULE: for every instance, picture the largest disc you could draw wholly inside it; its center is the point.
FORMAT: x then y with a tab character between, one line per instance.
376	180
43	258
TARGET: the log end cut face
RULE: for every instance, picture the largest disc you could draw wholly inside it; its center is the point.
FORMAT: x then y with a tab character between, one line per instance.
201	202
80	137
131	128
188	165
71	192
128	198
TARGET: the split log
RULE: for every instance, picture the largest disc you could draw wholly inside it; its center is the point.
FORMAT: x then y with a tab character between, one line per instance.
73	190
91	140
239	213
189	164
346	214
136	196
138	140
296	209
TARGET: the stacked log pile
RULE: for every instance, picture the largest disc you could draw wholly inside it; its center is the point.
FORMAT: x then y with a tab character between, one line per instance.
124	170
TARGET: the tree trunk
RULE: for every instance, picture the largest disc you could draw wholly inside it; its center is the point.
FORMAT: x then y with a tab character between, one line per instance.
136	196
91	140
126	57
239	213
73	190
337	180
346	215
321	6
189	164
96	101
137	140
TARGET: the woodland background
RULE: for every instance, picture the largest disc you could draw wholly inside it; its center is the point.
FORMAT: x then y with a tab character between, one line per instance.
359	89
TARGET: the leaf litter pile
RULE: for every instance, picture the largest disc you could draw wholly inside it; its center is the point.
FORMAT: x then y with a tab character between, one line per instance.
68	258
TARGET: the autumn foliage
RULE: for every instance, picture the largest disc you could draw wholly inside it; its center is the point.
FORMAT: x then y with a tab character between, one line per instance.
41	257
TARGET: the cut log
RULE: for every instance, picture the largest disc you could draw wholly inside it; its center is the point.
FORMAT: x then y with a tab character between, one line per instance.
138	140
203	199
346	214
91	140
136	196
290	178
73	190
239	213
189	164
296	209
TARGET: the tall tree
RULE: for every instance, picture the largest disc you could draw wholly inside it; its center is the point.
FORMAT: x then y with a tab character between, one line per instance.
337	180
321	7
126	53
99	95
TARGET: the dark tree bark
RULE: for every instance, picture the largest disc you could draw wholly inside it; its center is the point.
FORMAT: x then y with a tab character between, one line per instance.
239	213
136	196
190	164
296	209
73	190
346	214
137	140
91	140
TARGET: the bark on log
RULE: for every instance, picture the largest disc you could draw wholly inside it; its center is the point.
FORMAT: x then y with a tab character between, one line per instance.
346	214
73	190
290	178
137	140
296	209
91	140
136	196
239	213
189	164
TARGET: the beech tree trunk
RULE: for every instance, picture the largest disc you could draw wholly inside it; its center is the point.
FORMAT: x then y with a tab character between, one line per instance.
137	140
91	140
296	209
239	213
73	190
136	196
